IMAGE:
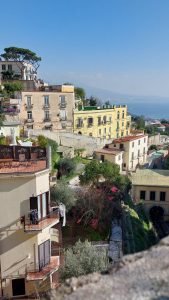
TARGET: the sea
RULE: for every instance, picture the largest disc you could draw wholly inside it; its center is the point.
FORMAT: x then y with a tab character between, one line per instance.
154	110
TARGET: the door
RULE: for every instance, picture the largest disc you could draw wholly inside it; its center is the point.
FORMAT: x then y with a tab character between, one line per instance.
18	287
44	254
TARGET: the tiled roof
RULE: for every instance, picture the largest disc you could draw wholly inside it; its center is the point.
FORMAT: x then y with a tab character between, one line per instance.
128	138
108	151
11	167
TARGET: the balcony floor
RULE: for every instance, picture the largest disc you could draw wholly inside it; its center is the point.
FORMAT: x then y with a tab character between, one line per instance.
48	269
42	224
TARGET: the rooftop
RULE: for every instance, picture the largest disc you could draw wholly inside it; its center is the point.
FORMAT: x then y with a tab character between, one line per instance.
128	138
149	177
111	151
13	167
89	108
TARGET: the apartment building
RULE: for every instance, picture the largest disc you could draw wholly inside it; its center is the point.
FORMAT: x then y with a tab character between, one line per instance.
111	121
128	152
51	108
27	223
151	187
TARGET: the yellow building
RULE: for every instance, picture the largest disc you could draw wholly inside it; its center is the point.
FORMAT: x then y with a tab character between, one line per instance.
111	121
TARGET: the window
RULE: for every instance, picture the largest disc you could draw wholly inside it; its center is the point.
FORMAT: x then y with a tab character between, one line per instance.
99	121
90	122
123	115
126	132
162	196
44	254
100	131
109	129
104	119
152	195
63	116
144	140
122	124
142	195
102	158
110	119
46	100
118	115
138	142
104	130
117	125
79	122
132	144
62	101
122	133
9	67
3	67
29	101
117	135
138	153
124	165
29	114
121	146
47	116
132	155
119	157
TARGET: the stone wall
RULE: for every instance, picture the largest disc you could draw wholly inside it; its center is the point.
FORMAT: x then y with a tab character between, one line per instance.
72	140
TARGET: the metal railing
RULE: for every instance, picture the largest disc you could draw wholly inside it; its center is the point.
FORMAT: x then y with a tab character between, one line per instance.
32	222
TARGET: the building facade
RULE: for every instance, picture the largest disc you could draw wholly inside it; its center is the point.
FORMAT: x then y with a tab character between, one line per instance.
112	155
134	150
27	223
49	109
11	70
151	187
111	121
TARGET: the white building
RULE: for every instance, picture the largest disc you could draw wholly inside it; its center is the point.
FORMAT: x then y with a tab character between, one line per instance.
17	70
112	155
134	150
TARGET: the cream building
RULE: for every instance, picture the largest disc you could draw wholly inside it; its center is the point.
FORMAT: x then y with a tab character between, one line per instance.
135	150
111	121
151	187
49	109
27	223
112	155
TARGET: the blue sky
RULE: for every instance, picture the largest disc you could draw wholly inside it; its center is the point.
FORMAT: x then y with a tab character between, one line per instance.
117	45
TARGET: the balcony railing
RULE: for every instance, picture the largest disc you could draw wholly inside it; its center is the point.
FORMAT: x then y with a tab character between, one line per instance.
46	106
90	125
30	120
47	120
36	272
32	224
80	125
29	106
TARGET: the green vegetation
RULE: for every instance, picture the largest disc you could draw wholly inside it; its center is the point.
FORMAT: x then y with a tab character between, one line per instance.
153	147
80	93
82	259
2	140
66	167
139	231
139	122
44	142
62	193
21	55
10	88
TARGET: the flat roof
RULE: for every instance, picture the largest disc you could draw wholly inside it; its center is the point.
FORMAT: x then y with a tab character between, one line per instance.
109	151
148	177
129	138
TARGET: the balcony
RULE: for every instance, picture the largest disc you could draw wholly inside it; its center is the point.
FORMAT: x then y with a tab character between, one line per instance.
29	106
33	225
63	105
90	125
35	273
46	106
30	120
80	125
47	120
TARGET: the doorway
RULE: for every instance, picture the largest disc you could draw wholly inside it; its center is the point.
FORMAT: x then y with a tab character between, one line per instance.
44	254
18	287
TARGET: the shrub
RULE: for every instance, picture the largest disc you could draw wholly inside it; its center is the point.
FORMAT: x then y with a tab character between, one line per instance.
61	193
66	166
82	259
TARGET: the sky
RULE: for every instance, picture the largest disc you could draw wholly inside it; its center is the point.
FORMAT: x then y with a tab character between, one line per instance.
116	45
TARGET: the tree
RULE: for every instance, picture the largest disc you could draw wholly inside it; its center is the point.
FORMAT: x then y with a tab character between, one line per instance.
42	141
65	166
153	147
21	56
82	259
96	170
139	121
11	87
80	93
62	193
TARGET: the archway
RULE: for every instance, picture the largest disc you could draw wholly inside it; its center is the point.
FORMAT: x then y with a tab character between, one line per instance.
156	213
79	132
